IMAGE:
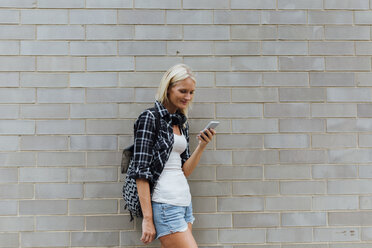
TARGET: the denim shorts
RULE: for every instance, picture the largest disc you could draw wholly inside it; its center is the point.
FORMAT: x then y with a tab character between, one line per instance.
170	218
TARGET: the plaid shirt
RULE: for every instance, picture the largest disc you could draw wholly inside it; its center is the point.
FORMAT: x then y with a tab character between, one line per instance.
148	158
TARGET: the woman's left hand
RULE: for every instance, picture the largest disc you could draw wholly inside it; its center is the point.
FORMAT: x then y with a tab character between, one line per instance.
206	136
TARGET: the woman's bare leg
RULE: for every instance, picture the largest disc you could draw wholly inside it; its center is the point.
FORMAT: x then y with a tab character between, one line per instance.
179	239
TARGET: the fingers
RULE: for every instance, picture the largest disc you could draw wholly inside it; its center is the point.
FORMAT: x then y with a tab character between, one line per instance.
147	237
207	135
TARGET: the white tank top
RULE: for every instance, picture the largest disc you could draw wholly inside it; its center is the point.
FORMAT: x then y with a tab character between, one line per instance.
172	187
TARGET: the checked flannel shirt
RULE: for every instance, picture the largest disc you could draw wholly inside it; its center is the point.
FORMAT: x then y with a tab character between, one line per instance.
148	158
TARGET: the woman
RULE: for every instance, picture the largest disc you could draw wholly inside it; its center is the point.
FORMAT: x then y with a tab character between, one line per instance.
162	167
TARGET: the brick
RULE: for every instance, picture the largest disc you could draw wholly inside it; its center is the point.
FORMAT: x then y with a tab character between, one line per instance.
365	171
93	48
363	48
60	127
59	223
9	47
238	204
239	172
304	219
109	127
205	79
11	159
8	208
206	32
58	191
335	203
93	17
94	79
303	156
203	173
251	4
238	110
331	48
302	63
332	79
342	187
255	157
188	48
236	17
9	111
93	174
302	125
130	110
143	79
365	202
8	175
256	220
32	239
157	4
363	17
58	4
115	222
17	32
238	141
284	48
18	3
238	79
286	110
330	17
205	236
242	236
254	63
9	79
212	95
350	156
60	64
17	63
60	32
93	110
302	187
285	79
340	32
16	224
142	48
110	95
158	32
205	4
300	4
78	207
16	191
110	63
363	78
212	220
44	16
366	233
109	32
189	17
36	207
336	234
9	240
287	172
333	110
17	127
32	79
208	63
302	94
291	203
253	188
300	32
348	95
237	48
253	32
60	95
44	143
9	143
210	188
201	110
255	95
333	141
109	4
42	175
17	95
106	190
365	140
40	111
93	143
295	235
61	159
283	17
348	63
204	205
79	239
145	95
346	4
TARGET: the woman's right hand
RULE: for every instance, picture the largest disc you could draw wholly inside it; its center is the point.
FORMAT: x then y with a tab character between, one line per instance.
148	231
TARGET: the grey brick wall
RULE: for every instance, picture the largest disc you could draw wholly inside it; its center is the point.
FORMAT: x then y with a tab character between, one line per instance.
289	80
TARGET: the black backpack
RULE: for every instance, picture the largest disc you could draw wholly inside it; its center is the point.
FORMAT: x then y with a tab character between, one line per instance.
130	193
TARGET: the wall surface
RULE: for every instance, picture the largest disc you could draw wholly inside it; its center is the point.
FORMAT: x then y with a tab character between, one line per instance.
289	80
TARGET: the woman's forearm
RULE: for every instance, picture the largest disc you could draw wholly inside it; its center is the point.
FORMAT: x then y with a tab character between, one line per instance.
143	189
189	166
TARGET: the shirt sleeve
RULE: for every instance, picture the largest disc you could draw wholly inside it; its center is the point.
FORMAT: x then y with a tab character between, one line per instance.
186	154
143	146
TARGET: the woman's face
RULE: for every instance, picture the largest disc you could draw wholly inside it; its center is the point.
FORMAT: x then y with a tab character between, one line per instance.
181	94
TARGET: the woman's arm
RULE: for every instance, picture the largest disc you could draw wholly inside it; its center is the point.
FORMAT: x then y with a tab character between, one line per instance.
148	228
194	159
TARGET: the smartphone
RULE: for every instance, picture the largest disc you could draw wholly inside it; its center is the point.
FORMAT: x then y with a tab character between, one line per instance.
211	124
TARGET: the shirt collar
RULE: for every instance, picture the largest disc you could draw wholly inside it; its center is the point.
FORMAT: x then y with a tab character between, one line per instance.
165	113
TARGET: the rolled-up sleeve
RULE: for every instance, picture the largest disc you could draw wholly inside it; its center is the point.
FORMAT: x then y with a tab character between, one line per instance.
186	154
143	146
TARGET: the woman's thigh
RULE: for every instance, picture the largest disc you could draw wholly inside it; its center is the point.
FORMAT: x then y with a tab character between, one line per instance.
179	239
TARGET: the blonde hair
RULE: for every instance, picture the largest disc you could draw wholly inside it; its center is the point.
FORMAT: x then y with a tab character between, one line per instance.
174	74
